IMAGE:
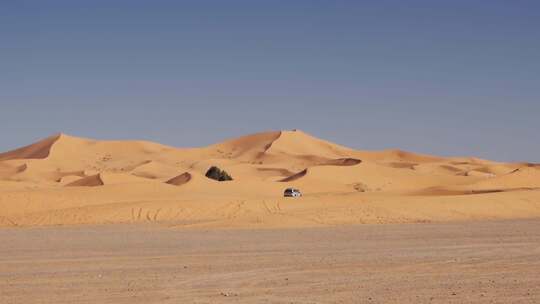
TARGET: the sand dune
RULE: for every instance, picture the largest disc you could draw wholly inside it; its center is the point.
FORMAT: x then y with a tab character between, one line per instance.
276	171
180	179
153	170
69	180
108	179
89	181
298	143
522	177
342	162
38	150
395	155
7	170
295	176
250	147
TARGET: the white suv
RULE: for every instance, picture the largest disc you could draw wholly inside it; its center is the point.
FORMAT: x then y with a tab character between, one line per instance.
291	192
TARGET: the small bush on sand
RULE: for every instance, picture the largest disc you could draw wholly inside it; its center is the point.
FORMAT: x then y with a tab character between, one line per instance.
216	173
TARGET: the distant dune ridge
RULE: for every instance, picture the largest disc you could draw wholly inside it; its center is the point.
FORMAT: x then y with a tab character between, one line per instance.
64	180
39	150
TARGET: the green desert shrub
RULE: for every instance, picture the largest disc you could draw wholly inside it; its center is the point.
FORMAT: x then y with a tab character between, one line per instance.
216	173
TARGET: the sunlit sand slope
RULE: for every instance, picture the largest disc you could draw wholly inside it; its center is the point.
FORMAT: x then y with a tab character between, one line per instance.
65	180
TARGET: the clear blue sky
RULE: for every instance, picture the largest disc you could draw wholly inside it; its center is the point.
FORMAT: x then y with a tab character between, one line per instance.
441	77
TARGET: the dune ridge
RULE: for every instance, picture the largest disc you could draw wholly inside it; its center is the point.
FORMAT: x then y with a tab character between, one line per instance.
89	181
38	150
180	179
295	176
86	181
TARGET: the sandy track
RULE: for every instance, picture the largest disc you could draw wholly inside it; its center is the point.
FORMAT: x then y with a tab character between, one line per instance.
483	262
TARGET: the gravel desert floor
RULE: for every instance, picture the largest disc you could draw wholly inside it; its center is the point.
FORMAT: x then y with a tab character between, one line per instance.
465	262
